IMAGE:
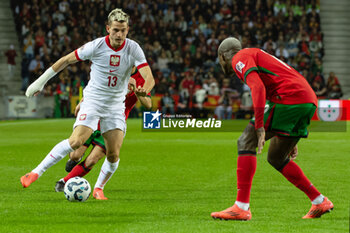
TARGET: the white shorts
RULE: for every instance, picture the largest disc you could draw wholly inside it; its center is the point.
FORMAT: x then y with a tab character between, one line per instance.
110	118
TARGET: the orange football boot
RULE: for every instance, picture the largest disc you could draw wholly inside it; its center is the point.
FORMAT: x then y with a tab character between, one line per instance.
317	211
28	179
98	194
233	213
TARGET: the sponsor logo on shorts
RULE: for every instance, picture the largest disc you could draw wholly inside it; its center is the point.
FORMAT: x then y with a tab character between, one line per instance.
114	60
82	117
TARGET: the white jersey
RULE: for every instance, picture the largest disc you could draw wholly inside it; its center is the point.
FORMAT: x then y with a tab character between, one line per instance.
110	69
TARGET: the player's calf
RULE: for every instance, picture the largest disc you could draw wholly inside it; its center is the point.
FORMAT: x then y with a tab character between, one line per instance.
279	150
112	157
96	154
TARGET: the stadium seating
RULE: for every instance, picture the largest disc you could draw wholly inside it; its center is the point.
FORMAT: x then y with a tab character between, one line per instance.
179	40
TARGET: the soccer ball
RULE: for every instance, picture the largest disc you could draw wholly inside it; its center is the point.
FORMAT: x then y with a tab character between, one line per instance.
77	189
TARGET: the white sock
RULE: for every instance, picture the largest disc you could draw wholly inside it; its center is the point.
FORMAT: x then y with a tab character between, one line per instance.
242	205
318	200
55	155
106	173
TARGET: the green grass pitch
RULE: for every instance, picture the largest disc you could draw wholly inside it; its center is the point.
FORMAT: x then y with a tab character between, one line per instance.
168	182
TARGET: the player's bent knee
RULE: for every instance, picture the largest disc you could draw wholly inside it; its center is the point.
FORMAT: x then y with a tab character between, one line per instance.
113	157
75	143
245	144
240	143
248	140
278	164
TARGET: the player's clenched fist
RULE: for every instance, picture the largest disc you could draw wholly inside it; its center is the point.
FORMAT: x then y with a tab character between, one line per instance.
293	154
39	84
140	91
34	89
132	84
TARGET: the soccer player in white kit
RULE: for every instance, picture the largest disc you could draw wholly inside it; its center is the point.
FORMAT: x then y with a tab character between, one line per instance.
112	60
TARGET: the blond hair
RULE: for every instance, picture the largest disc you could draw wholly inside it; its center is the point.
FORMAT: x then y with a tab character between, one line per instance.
118	15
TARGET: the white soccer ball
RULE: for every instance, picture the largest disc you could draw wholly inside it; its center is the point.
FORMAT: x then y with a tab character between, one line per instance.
77	189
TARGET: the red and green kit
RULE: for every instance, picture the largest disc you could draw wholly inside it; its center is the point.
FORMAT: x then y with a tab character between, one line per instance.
271	79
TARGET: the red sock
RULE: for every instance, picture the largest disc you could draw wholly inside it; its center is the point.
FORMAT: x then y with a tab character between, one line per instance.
79	170
246	166
296	176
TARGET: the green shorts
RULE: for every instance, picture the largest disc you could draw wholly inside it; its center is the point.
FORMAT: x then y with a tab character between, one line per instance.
288	120
96	139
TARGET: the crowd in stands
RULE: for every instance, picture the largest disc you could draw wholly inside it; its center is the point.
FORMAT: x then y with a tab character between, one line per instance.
180	40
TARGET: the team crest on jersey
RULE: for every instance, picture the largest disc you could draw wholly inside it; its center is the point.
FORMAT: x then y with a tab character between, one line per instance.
115	60
82	117
239	66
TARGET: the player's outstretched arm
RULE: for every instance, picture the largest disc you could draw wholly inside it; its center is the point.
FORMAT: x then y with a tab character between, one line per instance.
259	99
59	65
63	62
147	75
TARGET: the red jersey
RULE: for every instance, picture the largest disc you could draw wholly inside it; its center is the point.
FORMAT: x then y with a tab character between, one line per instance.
273	80
131	98
11	55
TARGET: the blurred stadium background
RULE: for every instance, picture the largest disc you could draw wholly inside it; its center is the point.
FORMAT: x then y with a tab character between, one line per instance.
180	40
170	183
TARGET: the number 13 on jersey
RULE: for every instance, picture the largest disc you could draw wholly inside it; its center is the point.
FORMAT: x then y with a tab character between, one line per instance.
112	81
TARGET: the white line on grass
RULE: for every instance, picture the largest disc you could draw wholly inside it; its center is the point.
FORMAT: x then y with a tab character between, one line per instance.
32	121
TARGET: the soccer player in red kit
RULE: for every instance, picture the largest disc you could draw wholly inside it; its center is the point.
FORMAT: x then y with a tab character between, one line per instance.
99	150
284	104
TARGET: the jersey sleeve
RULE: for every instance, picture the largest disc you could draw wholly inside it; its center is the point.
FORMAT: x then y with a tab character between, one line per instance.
85	52
139	80
139	56
259	97
243	64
